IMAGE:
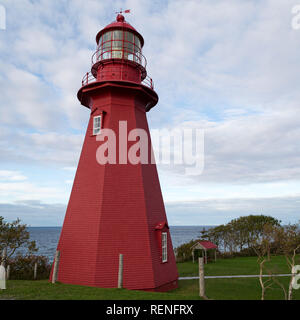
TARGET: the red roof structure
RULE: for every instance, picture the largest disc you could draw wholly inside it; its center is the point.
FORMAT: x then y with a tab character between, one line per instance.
162	225
208	245
204	245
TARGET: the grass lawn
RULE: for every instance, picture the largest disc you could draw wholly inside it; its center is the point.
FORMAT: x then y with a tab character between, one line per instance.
219	289
43	290
235	266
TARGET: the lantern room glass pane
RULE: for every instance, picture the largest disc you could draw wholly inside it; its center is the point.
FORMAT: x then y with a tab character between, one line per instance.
129	36
99	51
137	49
106	39
117	44
117	49
128	45
105	49
129	41
118	35
107	36
137	43
100	42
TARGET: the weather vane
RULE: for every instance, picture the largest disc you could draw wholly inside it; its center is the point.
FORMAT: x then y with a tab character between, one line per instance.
121	11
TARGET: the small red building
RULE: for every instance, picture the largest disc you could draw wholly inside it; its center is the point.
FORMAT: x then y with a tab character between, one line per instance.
117	208
204	246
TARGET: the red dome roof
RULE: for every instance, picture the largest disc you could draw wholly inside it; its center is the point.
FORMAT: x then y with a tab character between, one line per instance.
120	23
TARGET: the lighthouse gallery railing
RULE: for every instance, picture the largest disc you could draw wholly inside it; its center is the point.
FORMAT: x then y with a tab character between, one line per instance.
89	78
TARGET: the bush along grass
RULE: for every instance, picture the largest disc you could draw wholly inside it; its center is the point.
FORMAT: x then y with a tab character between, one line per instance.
22	267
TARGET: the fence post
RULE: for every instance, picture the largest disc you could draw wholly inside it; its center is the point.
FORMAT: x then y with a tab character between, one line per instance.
4	253
35	271
201	278
2	277
2	271
7	272
55	268
120	276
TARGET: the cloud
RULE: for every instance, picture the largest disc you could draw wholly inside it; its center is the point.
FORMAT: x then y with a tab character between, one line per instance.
34	213
219	211
12	190
40	148
6	175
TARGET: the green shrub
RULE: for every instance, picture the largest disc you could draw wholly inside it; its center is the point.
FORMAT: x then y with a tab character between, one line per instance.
184	252
22	267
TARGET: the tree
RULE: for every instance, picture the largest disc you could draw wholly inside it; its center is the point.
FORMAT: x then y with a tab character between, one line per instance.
239	233
14	235
184	252
261	245
249	228
288	243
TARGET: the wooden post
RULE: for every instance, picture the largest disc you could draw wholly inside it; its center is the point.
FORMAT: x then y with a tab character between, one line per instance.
55	268
4	252
35	271
201	279
7	272
3	271
2	277
120	276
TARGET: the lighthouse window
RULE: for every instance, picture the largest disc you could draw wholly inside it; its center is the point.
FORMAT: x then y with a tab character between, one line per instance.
164	246
137	43
99	51
128	45
106	45
118	35
97	125
137	50
117	44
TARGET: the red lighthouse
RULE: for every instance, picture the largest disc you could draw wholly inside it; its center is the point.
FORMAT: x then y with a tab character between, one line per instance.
117	208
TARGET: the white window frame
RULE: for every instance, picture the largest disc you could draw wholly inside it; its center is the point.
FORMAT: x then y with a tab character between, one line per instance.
164	246
97	129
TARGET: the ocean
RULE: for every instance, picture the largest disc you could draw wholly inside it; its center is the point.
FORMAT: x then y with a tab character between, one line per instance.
47	237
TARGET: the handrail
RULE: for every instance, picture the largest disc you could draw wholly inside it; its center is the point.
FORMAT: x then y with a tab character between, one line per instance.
116	53
89	78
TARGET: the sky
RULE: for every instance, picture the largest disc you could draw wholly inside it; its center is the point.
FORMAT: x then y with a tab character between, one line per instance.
227	67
